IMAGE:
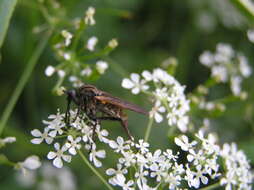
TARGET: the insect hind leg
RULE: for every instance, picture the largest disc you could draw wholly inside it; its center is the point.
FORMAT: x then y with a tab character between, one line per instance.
123	121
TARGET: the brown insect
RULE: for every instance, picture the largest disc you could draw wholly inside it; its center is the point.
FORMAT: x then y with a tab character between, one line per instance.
93	102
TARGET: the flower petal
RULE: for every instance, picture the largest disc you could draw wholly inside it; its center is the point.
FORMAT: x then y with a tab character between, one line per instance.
58	162
127	83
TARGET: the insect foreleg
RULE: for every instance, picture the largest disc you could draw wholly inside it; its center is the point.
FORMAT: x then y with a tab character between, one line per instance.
67	113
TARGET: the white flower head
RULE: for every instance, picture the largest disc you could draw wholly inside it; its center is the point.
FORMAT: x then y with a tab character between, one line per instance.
135	84
91	43
94	154
113	43
41	136
7	140
86	72
67	36
119	145
49	71
30	163
101	66
89	18
61	73
184	143
142	146
156	110
120	180
73	144
59	155
250	34
206	58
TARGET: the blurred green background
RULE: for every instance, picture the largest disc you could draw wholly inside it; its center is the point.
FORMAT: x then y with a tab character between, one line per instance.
148	32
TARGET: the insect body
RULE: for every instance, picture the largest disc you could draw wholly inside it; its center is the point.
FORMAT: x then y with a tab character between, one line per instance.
93	101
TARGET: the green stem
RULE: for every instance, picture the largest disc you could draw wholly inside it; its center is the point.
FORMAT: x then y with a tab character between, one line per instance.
23	80
213	186
148	129
94	170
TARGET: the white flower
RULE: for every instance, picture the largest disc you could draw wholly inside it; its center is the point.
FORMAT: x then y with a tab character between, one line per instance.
119	145
184	143
229	180
236	85
156	110
94	154
119	170
68	36
113	43
86	72
206	58
41	136
199	175
114	172
89	20
56	124
147	75
142	146
244	67
220	73
250	34
101	66
120	181
7	140
91	43
128	159
49	71
102	134
134	83
196	158
59	155
30	163
73	144
61	73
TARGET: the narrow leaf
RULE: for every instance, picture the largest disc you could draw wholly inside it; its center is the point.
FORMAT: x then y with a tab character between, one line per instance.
6	10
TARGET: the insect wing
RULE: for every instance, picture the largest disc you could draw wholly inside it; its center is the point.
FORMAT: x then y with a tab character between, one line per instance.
121	103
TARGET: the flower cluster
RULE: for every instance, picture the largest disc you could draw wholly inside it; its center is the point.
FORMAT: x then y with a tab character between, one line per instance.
227	65
157	169
79	59
79	133
140	168
167	93
237	168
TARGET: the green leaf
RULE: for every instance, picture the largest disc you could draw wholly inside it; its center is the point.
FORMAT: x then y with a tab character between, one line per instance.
6	10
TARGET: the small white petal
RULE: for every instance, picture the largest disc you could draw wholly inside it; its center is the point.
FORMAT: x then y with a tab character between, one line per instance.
72	150
49	140
127	83
110	171
36	133
58	162
32	162
37	140
66	158
49	71
51	155
158	117
135	90
57	146
135	77
101	154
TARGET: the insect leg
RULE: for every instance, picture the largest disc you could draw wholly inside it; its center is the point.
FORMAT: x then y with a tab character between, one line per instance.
123	121
67	113
77	114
